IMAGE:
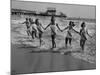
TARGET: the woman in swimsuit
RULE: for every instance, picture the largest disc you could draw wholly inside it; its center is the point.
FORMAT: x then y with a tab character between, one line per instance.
82	34
39	29
32	28
68	37
27	26
52	25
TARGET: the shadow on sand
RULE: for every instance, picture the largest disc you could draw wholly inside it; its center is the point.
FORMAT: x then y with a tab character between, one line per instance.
54	51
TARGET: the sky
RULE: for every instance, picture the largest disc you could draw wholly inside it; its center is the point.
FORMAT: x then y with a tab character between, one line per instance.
71	10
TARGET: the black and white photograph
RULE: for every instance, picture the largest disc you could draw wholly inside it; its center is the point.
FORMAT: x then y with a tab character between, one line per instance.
52	37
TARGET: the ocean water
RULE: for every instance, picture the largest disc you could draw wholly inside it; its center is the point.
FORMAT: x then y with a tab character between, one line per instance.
18	29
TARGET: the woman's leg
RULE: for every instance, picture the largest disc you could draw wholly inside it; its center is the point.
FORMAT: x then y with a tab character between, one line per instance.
54	42
33	34
39	34
66	41
40	37
30	33
70	40
83	43
27	31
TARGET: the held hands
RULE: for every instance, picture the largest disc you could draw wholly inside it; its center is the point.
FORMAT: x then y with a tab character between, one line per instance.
59	28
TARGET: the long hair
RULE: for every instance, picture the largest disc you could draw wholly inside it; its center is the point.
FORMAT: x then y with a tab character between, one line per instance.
36	21
71	24
83	24
30	19
26	19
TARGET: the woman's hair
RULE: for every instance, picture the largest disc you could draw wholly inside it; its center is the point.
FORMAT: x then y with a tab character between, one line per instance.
83	24
26	18
70	22
52	20
30	19
36	21
73	24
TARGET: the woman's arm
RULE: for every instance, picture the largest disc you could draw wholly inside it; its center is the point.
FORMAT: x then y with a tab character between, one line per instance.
88	34
58	27
47	26
76	31
42	26
23	22
65	28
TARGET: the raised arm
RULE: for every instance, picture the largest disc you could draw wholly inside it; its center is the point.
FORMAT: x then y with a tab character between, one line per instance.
76	31
47	26
42	26
58	27
23	22
88	34
65	28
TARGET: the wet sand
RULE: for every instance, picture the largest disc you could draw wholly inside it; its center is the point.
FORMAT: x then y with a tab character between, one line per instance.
24	61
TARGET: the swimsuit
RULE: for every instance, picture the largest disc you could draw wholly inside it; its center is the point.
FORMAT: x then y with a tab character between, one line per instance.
83	34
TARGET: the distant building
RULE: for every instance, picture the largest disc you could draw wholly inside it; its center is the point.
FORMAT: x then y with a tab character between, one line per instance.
16	11
51	11
48	12
22	12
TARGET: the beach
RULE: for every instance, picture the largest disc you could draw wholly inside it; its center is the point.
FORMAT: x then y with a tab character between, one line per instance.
28	57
